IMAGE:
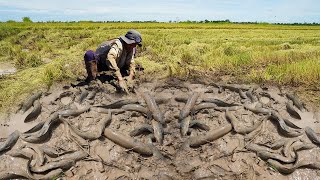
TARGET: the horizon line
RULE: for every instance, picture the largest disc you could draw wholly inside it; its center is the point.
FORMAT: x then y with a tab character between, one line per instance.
205	21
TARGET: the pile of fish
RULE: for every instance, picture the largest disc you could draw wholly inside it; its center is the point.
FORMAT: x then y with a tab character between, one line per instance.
282	155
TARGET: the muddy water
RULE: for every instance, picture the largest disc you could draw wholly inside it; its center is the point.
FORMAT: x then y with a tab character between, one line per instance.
224	158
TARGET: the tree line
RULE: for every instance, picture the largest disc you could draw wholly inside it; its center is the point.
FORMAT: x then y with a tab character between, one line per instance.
227	21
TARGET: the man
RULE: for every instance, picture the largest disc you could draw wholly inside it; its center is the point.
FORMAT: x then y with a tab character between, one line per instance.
116	55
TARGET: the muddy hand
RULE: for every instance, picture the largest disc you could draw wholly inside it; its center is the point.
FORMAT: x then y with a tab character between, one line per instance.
123	86
130	82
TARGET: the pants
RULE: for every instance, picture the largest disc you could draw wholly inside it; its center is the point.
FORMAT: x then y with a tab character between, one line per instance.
95	64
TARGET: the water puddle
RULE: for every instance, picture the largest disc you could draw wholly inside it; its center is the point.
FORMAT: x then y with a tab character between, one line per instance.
16	122
7	68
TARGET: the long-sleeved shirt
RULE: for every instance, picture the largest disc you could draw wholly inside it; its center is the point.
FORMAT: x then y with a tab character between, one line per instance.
116	56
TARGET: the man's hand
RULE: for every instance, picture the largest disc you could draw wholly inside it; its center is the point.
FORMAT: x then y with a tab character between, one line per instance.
130	81
123	85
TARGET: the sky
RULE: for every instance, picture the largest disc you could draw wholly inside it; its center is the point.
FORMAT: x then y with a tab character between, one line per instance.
271	11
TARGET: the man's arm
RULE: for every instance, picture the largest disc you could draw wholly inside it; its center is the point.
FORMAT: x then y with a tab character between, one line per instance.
132	65
132	69
111	57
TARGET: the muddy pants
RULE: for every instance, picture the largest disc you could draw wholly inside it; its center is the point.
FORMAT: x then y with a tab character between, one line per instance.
95	64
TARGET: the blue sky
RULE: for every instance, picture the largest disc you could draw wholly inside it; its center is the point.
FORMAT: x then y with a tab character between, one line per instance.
273	11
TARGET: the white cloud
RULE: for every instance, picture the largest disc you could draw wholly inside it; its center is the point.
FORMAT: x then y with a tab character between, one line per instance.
235	10
74	7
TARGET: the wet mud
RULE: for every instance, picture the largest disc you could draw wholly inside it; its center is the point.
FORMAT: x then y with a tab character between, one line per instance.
162	130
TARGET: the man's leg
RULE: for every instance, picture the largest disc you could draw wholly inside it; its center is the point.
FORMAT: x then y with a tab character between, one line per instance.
91	65
125	71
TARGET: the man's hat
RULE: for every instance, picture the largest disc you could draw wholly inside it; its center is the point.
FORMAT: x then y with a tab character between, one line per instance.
131	37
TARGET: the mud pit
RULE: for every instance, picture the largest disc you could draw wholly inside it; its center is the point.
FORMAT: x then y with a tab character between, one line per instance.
165	130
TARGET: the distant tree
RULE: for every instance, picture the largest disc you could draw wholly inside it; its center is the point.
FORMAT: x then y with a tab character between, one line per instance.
26	19
11	21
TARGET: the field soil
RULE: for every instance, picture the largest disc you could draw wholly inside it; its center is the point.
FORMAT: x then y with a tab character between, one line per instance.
227	156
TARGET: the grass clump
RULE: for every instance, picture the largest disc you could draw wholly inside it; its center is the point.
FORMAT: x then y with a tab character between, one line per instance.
295	74
286	46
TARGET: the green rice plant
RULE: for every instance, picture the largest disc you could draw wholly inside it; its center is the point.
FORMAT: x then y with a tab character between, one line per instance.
12	51
241	59
286	46
6	50
150	66
15	88
48	77
44	48
297	73
229	51
7	31
33	60
19	59
87	44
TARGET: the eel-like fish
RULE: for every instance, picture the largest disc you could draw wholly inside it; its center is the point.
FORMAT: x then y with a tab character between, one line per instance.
63	162
42	133
92	94
189	106
236	126
83	96
269	155
203	106
255	110
118	104
158	131
71	112
141	129
292	111
184	125
242	94
28	103
153	107
312	135
92	135
208	137
250	96
198	124
296	101
128	142
35	112
20	153
219	102
39	154
10	142
284	128
290	168
138	108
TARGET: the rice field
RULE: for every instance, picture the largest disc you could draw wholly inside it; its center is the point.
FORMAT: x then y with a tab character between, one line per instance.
48	53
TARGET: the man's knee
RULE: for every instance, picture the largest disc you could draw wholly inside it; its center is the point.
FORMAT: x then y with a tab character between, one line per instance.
91	64
89	56
125	70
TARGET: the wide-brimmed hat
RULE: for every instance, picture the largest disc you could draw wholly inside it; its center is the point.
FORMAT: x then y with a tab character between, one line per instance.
131	37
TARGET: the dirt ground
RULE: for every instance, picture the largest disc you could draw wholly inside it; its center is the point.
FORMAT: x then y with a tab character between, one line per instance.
223	157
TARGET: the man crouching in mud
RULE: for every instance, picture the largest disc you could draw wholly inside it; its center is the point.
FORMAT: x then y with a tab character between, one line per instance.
116	55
